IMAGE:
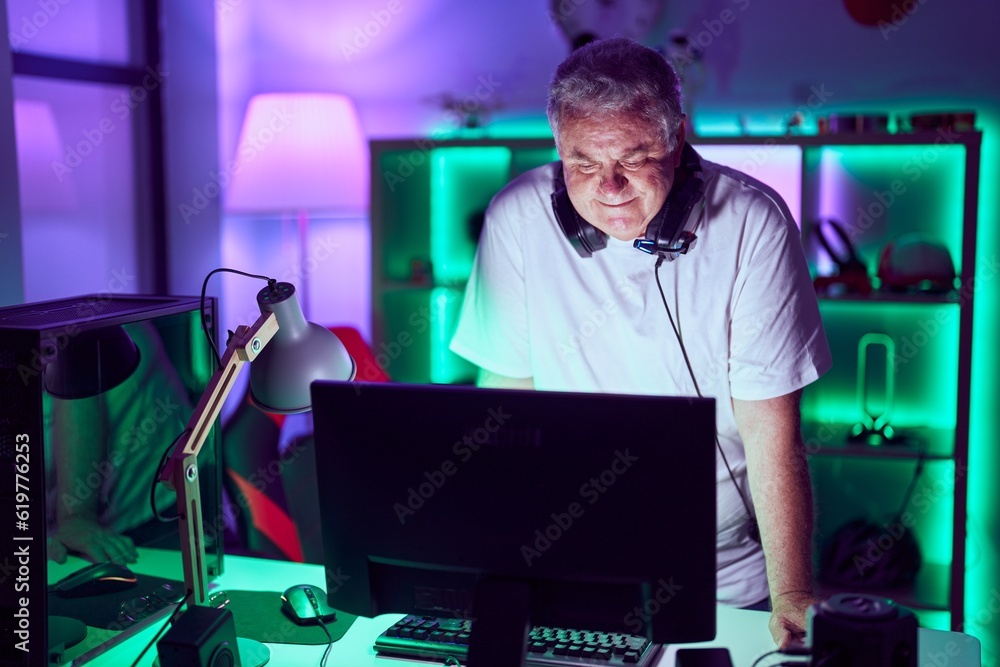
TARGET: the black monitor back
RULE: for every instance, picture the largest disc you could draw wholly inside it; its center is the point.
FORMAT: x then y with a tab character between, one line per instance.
604	504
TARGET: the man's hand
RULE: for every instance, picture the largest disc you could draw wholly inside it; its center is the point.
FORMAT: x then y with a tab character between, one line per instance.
788	618
92	540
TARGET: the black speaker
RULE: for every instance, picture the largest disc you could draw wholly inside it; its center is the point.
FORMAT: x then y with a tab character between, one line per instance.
854	630
665	234
201	637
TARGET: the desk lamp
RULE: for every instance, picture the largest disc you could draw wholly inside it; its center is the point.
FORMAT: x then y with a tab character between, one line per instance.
286	354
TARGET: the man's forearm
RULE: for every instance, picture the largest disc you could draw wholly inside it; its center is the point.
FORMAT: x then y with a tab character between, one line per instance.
783	498
781	490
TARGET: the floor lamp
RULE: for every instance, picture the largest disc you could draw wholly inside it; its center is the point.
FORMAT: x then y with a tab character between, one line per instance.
301	155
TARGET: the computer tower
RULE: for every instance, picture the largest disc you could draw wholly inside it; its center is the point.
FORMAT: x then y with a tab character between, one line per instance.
93	390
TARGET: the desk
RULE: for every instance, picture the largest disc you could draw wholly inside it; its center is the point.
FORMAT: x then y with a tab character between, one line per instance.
744	633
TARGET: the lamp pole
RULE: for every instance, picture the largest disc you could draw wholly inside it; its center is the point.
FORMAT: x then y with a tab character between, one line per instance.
182	472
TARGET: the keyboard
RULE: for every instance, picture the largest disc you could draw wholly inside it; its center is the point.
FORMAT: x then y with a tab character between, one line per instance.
439	639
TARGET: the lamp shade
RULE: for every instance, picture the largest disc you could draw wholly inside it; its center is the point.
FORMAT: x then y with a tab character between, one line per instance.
90	362
300	352
300	152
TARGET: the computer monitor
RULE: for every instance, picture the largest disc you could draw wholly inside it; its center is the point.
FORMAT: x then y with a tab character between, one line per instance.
600	508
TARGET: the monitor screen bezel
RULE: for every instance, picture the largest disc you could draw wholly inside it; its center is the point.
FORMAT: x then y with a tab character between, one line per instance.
655	569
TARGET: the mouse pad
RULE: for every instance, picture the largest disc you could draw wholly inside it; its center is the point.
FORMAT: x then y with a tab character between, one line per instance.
258	616
102	611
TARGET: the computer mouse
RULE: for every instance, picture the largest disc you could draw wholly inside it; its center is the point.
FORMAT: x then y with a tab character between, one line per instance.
305	604
96	579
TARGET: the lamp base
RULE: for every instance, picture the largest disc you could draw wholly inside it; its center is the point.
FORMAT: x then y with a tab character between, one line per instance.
252	653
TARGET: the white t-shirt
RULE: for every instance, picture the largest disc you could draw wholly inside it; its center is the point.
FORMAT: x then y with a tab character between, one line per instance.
741	298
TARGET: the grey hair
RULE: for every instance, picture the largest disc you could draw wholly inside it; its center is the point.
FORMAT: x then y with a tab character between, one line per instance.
616	75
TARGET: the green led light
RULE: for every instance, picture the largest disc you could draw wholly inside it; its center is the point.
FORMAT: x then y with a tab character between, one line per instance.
935	620
925	337
982	581
463	180
446	366
882	192
533	127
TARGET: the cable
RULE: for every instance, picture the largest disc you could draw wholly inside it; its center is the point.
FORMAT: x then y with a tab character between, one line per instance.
163	629
156	478
680	341
754	528
326	653
921	459
766	655
201	310
800	653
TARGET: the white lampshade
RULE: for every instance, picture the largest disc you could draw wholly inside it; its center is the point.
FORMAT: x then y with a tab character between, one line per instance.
300	152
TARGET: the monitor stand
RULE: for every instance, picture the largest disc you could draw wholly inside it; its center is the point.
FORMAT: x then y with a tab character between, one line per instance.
502	613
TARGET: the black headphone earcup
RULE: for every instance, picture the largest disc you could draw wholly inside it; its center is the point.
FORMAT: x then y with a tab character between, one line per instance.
583	236
666	236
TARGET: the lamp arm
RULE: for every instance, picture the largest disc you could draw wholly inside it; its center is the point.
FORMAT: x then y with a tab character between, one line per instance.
182	471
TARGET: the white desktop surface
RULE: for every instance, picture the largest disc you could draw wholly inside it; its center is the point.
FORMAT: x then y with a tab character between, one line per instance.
744	633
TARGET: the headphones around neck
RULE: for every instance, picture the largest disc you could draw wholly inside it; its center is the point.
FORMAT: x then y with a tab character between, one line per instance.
665	234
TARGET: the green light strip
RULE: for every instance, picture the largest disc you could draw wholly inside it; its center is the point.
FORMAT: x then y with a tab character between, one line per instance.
982	580
463	180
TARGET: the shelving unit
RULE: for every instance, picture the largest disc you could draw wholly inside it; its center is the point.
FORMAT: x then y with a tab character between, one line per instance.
427	202
428	199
